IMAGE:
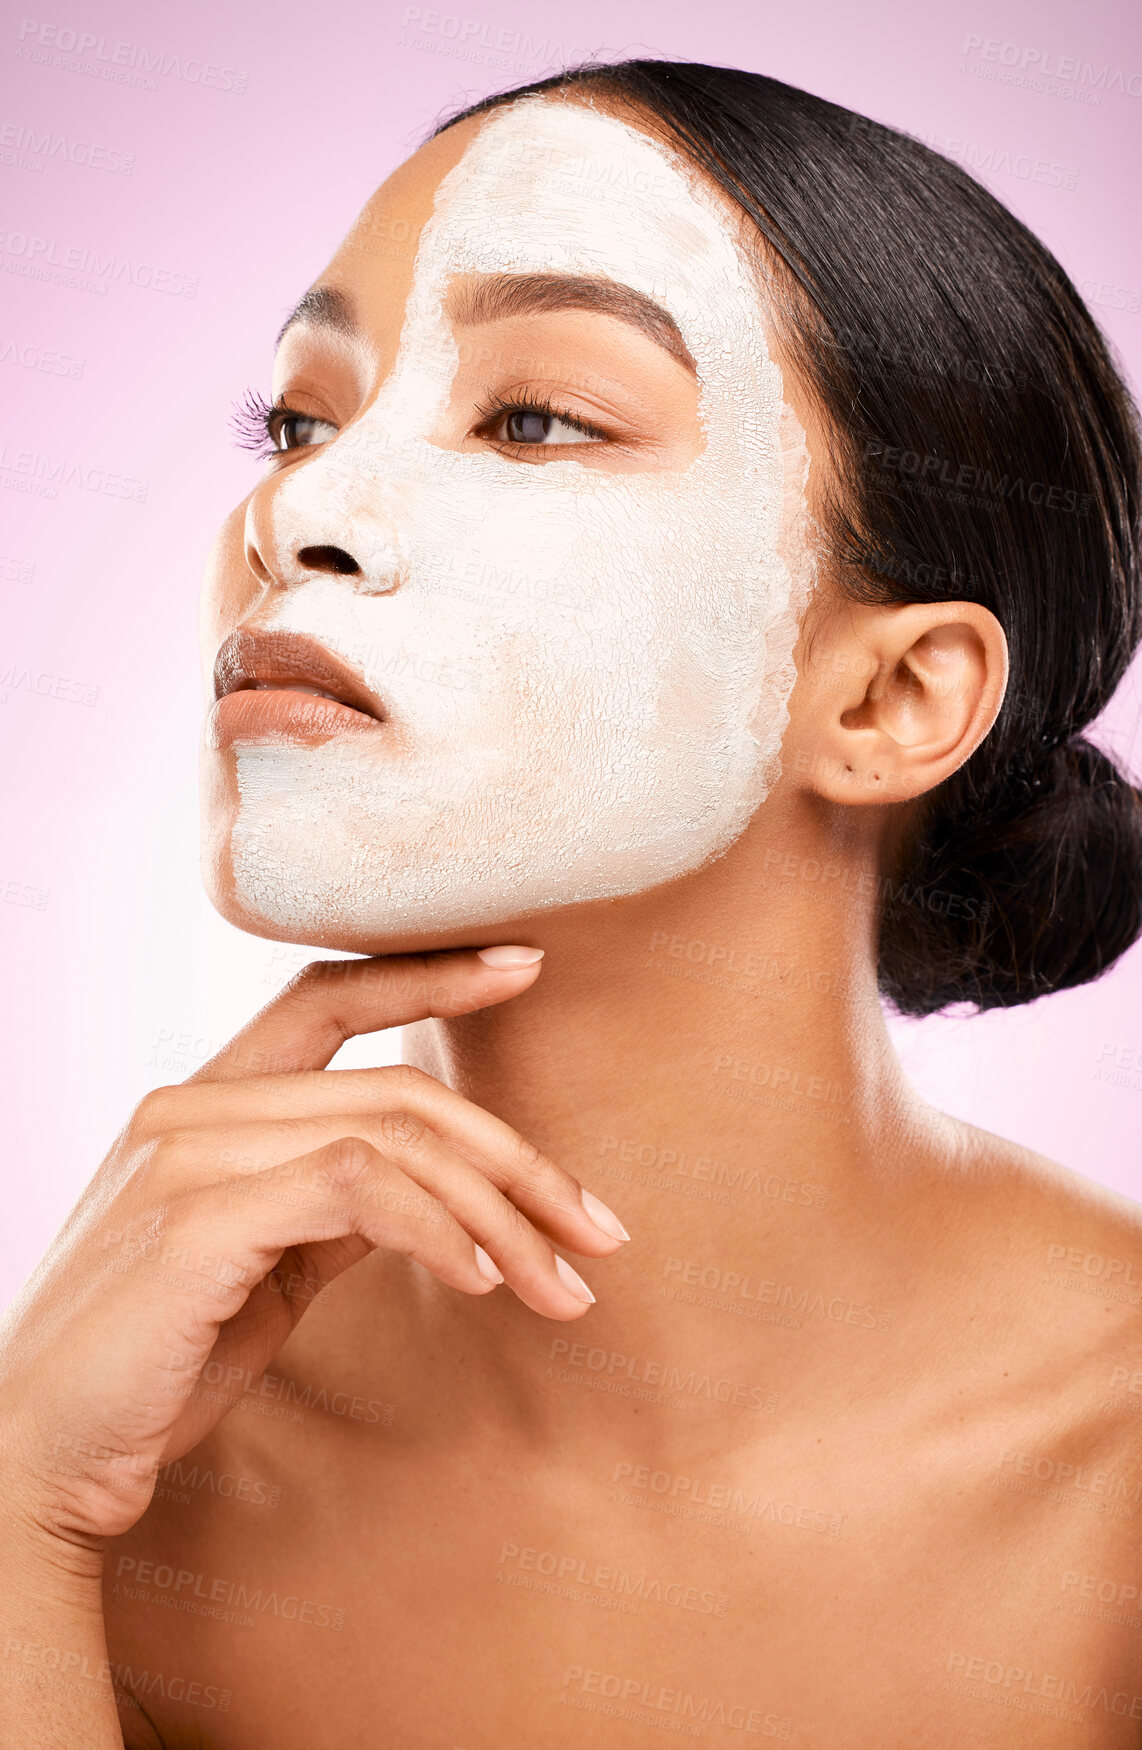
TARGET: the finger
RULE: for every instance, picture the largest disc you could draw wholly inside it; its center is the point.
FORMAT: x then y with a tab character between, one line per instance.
273	1160
221	1238
527	1261
394	1110
333	1000
232	1234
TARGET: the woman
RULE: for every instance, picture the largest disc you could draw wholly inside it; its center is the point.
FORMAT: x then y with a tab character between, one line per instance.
699	524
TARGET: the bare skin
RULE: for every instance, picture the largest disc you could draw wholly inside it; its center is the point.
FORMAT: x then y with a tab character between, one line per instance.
848	1453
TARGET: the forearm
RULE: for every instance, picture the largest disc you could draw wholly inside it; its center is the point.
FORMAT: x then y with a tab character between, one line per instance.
55	1681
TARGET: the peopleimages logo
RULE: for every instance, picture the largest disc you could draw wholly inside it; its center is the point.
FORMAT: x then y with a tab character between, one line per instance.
27	148
1001	161
124	63
476	39
1042	69
89	269
30	357
41	476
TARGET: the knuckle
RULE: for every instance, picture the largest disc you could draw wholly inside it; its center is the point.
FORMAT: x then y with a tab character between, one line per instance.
540	1178
402	1130
520	1231
164	1155
528	1161
303	983
347	1161
405	1077
317	981
153	1112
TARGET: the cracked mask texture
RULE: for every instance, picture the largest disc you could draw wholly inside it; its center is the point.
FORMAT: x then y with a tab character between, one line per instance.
586	673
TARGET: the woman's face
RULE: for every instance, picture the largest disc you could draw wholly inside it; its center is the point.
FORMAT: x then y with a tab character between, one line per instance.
535	524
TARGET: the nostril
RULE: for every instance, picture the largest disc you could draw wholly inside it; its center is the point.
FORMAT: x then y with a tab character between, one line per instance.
328	559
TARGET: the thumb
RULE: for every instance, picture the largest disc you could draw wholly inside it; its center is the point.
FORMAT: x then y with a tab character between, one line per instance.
332	1000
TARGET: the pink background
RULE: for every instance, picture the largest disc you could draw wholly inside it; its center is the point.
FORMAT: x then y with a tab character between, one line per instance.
216	186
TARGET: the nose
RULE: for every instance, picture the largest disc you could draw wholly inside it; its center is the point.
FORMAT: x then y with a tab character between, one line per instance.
323	520
334	559
307	562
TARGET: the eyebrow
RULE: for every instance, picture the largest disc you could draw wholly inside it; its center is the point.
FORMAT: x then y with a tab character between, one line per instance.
321	307
493	297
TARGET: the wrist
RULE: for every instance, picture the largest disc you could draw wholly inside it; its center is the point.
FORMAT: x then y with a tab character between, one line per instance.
51	1602
56	1680
38	1556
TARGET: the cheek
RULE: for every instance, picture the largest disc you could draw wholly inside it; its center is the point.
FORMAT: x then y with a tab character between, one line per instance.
616	577
606	593
579	595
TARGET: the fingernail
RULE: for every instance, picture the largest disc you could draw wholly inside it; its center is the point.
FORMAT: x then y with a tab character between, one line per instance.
573	1282
486	1267
603	1217
506	959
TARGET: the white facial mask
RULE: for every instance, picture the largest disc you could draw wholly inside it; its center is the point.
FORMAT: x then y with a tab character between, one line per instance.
586	672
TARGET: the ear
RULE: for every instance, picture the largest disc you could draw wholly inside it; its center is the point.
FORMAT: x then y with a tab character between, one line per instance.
889	701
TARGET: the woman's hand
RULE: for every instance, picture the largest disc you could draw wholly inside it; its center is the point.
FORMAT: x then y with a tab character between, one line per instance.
261	1164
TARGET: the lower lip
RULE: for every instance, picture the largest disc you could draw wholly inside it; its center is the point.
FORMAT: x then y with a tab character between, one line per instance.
275	714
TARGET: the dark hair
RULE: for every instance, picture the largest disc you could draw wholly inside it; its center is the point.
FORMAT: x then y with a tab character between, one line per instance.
984	449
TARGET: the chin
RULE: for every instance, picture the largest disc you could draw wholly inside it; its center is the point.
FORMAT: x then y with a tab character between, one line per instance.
339	932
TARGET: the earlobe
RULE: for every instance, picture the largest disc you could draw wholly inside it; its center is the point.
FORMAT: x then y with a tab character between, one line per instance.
896	698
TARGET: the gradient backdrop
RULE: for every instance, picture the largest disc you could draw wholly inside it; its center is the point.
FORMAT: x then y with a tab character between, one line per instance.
172	180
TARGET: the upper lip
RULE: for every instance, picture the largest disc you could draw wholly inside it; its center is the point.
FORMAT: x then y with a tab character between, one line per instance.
252	659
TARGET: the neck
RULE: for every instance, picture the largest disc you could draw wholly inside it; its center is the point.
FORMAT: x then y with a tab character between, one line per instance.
736	1007
710	1059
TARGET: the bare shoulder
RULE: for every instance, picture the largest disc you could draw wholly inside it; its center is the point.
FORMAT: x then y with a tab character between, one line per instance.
1063	1257
1078	1226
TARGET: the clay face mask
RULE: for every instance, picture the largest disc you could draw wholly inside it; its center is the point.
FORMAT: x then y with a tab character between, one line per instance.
585	673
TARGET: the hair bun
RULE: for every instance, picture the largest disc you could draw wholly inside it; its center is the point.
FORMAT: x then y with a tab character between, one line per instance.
1032	886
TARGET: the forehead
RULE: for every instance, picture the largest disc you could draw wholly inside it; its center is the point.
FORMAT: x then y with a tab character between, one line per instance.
554	186
567	181
539	157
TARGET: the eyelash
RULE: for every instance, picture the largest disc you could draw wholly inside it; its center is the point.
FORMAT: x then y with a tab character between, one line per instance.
496	410
258	422
252	421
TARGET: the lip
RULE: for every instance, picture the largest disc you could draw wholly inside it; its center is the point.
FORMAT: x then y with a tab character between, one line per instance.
274	685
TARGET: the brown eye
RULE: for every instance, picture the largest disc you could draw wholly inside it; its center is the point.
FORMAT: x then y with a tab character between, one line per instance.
528	428
295	431
527	425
